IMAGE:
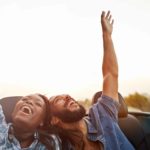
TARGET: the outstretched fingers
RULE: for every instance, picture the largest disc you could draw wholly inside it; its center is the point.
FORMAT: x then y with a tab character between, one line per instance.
107	16
107	22
112	22
103	14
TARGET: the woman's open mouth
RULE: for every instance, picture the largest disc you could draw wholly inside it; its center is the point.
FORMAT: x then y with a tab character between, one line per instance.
26	110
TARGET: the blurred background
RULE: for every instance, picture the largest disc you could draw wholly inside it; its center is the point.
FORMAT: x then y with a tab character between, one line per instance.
55	46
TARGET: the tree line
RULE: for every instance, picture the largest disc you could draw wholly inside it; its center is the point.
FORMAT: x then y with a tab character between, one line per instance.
136	100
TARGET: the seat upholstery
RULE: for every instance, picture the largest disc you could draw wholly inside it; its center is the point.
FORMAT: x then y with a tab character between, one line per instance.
123	111
128	123
8	104
133	130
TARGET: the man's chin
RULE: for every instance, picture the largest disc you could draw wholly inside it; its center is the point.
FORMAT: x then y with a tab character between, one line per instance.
72	120
72	117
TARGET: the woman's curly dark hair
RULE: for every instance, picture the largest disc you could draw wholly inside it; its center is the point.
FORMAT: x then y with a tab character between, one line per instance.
48	114
44	135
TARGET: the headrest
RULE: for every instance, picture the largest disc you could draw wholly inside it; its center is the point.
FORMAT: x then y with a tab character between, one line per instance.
123	110
8	104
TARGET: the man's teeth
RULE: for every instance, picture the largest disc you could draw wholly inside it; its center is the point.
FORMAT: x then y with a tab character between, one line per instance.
71	103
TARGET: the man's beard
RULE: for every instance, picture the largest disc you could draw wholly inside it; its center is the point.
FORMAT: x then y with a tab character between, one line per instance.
68	116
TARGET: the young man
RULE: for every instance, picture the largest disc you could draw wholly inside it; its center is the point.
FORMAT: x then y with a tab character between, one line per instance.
100	130
31	114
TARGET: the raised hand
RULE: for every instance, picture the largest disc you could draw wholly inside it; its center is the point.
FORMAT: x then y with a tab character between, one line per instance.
107	22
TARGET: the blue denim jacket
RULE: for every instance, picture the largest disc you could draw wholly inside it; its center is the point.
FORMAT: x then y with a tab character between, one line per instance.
102	124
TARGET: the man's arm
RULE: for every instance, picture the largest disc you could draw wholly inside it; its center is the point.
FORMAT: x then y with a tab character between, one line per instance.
110	65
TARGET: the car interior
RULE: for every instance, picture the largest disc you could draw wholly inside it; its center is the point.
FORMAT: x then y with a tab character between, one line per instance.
135	125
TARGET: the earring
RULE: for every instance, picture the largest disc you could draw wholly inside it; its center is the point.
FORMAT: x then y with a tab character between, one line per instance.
41	124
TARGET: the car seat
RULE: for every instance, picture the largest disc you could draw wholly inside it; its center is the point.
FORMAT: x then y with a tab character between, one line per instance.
128	123
8	104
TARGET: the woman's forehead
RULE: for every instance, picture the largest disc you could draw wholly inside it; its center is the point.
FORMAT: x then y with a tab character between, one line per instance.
35	97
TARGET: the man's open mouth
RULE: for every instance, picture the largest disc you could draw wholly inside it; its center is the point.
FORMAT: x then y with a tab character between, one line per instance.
72	103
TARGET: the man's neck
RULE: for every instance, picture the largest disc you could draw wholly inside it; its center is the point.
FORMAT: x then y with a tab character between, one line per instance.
76	126
76	132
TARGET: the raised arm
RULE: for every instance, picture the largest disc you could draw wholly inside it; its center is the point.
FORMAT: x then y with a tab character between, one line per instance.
110	65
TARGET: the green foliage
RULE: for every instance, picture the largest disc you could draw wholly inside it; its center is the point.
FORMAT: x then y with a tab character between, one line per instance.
135	100
139	101
86	103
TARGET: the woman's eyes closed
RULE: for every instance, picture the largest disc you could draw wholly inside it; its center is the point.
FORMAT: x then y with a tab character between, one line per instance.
38	104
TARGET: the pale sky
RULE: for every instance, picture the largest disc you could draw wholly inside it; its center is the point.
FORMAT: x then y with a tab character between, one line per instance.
55	46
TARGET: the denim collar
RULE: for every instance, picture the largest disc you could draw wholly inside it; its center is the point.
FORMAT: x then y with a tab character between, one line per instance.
90	127
11	137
